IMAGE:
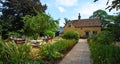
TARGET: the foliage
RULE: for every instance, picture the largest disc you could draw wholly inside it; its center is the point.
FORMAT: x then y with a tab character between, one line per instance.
104	37
66	20
114	28
71	35
99	14
14	10
54	51
105	54
13	53
104	17
50	33
14	34
39	23
114	5
93	39
35	36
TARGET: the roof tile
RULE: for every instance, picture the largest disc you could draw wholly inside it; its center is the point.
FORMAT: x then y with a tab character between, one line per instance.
86	22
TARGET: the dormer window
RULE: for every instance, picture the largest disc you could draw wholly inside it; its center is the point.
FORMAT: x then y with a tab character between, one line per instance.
69	24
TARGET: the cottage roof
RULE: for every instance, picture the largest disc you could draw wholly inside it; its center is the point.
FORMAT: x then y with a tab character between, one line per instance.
86	22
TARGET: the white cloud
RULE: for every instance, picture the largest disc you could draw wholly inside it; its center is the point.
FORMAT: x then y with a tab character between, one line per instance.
61	9
66	2
88	8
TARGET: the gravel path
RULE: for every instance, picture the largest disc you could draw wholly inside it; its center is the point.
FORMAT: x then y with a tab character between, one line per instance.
80	54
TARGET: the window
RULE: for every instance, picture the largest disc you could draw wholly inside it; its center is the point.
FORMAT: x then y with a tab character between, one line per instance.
69	24
94	32
87	33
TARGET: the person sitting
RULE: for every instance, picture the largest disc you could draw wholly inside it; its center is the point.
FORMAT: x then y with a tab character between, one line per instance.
47	38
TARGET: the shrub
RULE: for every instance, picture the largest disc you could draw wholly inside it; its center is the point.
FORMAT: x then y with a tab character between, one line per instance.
48	52
105	54
104	37
14	34
54	51
92	39
71	35
35	36
11	53
63	45
50	33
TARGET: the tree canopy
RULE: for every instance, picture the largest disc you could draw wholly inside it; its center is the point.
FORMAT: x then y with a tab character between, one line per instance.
110	23
14	10
99	14
39	23
115	27
104	17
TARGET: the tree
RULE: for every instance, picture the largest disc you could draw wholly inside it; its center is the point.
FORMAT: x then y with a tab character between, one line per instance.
14	10
115	28
115	4
66	20
104	17
39	23
99	14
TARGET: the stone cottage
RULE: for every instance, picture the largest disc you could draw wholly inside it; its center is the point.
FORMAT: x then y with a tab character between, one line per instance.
85	27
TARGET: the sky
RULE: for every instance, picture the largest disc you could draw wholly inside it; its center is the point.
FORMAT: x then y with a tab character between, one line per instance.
60	9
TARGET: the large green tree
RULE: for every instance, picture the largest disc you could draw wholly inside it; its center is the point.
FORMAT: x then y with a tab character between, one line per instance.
39	23
115	28
14	10
104	17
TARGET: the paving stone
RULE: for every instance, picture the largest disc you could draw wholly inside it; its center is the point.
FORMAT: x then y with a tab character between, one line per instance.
80	54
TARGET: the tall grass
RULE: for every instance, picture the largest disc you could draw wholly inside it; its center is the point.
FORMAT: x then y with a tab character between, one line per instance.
105	54
102	49
13	53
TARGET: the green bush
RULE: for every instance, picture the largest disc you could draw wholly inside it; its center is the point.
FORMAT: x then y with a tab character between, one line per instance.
63	45
47	51
71	35
104	37
54	51
35	36
11	53
14	34
50	33
105	54
92	39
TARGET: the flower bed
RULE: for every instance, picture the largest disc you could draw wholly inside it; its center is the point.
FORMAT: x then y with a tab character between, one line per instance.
53	52
12	53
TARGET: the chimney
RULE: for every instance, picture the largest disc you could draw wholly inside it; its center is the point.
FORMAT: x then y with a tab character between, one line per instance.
79	17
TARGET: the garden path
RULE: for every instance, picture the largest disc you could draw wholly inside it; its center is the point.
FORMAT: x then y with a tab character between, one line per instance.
80	54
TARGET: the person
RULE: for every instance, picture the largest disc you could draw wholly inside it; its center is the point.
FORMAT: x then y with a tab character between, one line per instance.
49	38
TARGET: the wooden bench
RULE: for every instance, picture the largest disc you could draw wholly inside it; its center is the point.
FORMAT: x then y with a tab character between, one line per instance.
18	40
